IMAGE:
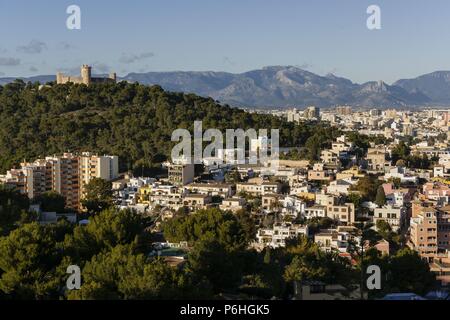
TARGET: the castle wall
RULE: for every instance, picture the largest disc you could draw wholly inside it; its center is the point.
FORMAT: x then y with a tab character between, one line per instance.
66	79
85	78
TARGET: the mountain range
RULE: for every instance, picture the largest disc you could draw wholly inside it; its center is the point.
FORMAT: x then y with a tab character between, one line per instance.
288	86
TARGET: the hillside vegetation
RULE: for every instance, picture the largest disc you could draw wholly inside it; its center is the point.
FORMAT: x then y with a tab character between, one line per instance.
132	121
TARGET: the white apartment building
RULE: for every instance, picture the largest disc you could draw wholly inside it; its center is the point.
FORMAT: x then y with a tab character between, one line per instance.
444	160
167	196
334	239
94	166
214	189
329	240
394	216
402	174
276	236
341	186
293	205
258	189
232	204
316	211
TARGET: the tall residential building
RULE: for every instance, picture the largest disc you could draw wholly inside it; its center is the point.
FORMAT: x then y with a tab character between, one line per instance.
344	110
424	233
67	175
430	231
63	177
293	115
180	172
312	113
30	179
408	130
94	166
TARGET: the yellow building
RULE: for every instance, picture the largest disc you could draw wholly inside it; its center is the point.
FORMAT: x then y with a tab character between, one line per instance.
350	173
144	194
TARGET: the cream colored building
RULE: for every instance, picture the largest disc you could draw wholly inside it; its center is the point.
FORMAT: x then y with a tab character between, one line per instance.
233	204
93	166
214	189
197	201
376	159
344	213
394	216
276	236
180	174
84	78
430	232
65	174
258	189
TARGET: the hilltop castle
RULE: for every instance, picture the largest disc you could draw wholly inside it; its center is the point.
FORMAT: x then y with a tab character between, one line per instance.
86	77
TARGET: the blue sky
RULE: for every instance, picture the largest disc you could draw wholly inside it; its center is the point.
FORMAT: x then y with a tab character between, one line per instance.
233	35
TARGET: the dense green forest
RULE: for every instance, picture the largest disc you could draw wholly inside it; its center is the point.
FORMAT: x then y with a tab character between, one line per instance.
132	121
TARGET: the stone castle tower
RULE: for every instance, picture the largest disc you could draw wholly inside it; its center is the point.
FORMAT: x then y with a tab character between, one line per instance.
86	74
84	78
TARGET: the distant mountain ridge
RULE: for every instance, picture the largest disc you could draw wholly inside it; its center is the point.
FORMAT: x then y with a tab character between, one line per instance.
41	79
288	86
435	85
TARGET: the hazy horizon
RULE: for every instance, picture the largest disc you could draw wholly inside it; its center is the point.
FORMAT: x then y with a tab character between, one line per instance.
76	72
321	37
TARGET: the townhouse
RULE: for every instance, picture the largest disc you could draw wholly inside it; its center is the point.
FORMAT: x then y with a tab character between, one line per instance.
277	235
394	216
258	189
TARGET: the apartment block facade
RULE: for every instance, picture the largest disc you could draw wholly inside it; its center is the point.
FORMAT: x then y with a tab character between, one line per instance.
394	216
276	236
430	232
181	174
67	175
258	189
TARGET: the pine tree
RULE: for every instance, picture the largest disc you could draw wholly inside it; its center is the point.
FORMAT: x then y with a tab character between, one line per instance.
380	199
